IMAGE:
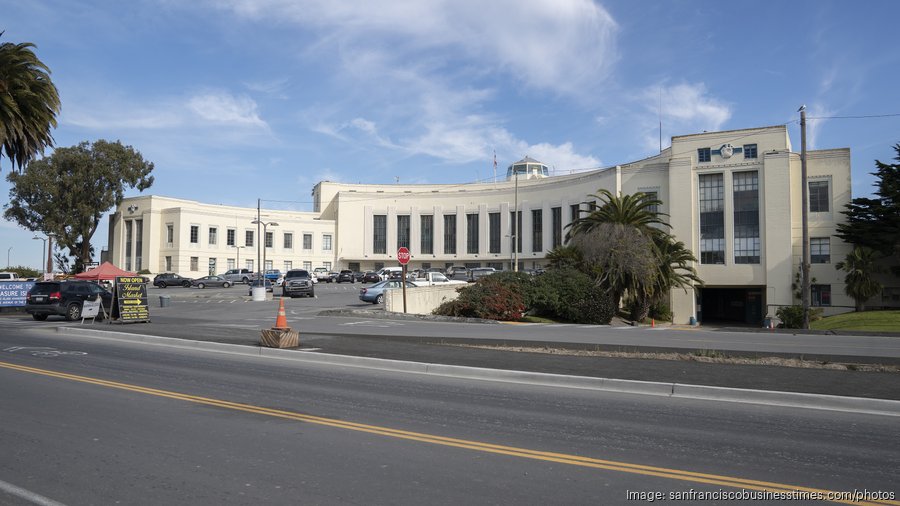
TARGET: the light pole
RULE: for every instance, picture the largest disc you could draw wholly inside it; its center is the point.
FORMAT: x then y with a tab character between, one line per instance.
265	225
43	251
238	248
804	223
7	256
50	237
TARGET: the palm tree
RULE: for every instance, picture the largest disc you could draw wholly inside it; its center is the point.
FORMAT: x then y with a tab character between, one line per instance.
29	103
632	210
860	266
674	270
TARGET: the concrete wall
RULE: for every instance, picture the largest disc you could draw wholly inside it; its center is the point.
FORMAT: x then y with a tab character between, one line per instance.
421	299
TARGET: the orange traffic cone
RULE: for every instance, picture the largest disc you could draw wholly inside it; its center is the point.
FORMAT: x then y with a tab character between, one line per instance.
653	322
281	320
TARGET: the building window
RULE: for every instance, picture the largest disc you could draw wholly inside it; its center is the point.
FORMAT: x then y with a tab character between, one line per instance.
746	217
307	242
820	295
820	250
704	154
818	197
230	263
168	264
750	151
170	233
574	212
195	234
402	231
270	239
379	237
248	238
712	219
537	230
195	264
449	234
249	264
269	265
472	233
326	242
652	198
307	265
288	240
138	243
229	237
212	266
494	232
213	235
288	265
515	226
556	216
327	265
426	234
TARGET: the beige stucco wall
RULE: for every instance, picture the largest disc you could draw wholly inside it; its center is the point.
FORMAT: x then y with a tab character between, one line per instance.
421	299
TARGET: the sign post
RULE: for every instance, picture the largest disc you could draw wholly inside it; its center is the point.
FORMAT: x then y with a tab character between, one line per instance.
403	257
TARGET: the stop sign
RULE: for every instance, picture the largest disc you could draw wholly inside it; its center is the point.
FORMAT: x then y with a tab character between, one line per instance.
403	256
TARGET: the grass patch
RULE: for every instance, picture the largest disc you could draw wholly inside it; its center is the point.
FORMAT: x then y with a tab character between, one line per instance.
873	321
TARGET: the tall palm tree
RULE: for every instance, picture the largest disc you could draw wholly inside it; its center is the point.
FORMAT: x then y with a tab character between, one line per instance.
29	103
860	267
633	210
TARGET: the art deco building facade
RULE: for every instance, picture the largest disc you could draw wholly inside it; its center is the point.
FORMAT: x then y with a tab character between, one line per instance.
733	197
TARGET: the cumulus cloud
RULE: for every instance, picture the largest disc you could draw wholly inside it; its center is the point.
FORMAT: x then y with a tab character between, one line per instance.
222	107
683	108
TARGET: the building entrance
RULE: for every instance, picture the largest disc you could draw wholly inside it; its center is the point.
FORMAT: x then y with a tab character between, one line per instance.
734	305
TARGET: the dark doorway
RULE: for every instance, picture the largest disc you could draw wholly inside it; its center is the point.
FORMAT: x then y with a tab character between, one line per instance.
731	305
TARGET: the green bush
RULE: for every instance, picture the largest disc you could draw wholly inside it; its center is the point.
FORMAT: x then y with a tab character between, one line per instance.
571	295
22	271
660	311
485	299
792	316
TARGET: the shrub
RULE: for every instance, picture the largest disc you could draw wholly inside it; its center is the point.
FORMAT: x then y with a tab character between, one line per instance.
792	316
571	295
660	311
485	299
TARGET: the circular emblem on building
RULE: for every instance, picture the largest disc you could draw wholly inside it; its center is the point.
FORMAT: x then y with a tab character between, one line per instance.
726	150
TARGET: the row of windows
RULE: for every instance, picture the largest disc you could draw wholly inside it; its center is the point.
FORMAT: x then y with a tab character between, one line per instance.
705	154
213	267
426	236
249	238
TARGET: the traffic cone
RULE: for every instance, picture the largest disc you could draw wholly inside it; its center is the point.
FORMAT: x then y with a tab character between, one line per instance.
653	323
281	320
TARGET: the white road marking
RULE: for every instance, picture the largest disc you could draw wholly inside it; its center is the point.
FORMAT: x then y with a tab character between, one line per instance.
28	495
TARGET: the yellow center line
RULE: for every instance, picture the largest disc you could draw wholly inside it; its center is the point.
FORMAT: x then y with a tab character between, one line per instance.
562	458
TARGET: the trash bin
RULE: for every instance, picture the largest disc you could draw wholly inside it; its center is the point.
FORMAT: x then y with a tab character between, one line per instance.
692	320
258	293
164	300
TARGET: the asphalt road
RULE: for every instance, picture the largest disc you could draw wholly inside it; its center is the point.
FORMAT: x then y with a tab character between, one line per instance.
94	422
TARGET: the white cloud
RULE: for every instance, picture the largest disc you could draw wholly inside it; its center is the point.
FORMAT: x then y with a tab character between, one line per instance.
815	127
683	108
562	158
222	107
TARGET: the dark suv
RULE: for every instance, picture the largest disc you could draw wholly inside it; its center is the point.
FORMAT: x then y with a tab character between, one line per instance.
170	279
346	276
298	282
63	298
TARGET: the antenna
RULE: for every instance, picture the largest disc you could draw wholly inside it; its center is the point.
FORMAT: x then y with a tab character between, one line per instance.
660	119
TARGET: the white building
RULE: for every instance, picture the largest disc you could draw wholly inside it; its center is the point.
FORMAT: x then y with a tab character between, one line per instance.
732	197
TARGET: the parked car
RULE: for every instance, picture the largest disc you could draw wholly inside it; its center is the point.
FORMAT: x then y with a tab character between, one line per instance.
298	282
455	270
370	277
358	276
238	275
63	298
375	293
345	276
479	272
258	283
273	275
386	272
322	274
205	281
9	276
171	279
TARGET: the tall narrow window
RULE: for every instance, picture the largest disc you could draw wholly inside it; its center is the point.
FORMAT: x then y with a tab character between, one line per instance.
170	233
515	228
195	264
307	242
248	238
818	197
820	250
270	239
746	217
556	216
652	198
379	234
326	242
229	237
138	244
168	264
494	232
426	234
472	233
195	234
213	236
288	240
129	226
574	212
402	231
537	230
449	234
712	219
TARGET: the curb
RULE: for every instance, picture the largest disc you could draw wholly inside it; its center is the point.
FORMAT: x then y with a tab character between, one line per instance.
683	391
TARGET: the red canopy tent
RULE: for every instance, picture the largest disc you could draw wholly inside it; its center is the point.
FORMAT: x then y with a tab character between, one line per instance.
106	271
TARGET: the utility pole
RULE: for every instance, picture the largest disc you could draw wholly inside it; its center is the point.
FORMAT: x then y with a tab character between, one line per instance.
804	220
258	240
516	224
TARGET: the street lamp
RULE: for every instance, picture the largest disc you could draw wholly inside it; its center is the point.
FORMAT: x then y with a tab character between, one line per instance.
265	225
43	251
238	248
7	256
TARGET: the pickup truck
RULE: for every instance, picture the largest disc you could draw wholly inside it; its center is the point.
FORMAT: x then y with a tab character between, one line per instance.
9	276
322	274
432	279
298	282
238	275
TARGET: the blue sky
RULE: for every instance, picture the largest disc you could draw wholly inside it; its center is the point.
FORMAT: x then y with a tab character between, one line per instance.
235	100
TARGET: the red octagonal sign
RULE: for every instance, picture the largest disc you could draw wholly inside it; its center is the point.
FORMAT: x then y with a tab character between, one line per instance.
403	256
